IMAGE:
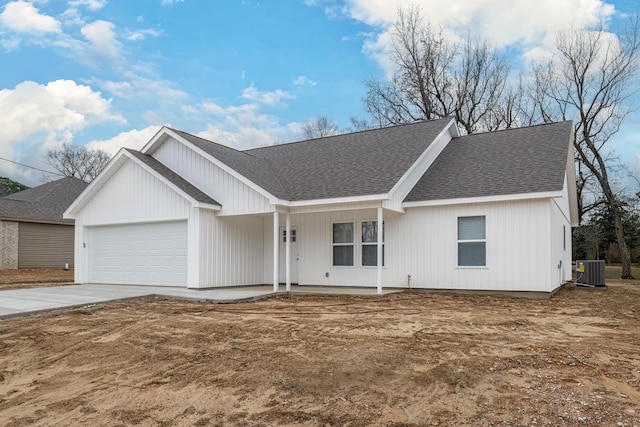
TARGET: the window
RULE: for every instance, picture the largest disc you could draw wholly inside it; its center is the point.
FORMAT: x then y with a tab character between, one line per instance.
370	243
284	236
472	242
564	237
343	244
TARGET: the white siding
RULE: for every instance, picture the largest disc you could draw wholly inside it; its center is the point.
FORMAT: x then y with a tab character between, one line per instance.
423	242
235	196
230	250
517	243
561	247
131	195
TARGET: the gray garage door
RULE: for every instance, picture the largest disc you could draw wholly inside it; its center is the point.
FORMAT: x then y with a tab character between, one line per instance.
139	254
44	245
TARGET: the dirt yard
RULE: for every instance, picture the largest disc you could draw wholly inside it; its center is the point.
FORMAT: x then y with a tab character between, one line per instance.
402	360
32	278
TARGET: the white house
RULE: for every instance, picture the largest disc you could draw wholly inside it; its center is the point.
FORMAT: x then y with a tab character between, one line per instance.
489	211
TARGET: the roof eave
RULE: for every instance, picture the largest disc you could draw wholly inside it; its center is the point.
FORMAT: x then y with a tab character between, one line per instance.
483	199
37	220
335	200
209	206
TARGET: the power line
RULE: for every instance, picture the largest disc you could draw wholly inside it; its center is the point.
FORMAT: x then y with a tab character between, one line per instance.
30	167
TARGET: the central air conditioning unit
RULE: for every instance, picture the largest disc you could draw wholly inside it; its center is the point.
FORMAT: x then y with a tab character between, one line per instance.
590	274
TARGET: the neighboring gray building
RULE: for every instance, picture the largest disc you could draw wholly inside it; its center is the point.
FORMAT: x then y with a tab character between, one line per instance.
33	233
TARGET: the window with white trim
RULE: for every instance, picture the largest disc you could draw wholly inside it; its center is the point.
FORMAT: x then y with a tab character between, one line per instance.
293	236
370	243
343	244
472	241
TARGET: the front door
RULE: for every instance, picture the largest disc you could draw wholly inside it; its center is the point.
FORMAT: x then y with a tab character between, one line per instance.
294	254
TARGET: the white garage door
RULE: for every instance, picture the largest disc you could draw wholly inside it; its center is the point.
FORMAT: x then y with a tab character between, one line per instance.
139	254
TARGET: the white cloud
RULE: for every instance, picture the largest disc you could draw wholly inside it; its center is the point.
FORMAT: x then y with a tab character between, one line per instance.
89	4
529	25
72	16
22	16
247	137
269	98
134	139
101	35
170	2
213	108
137	87
122	89
245	125
35	118
10	43
303	80
138	35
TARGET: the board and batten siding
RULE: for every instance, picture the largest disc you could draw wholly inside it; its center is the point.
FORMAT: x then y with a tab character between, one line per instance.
423	243
560	235
131	195
235	196
230	250
517	247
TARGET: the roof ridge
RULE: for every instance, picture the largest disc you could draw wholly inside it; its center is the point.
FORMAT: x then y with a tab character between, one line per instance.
511	129
301	141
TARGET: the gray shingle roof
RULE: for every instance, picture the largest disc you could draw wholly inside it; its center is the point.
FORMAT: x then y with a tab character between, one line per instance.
515	161
174	178
355	164
46	202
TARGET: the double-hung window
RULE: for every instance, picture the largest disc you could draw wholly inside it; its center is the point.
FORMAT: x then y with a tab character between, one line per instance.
472	241
370	243
343	243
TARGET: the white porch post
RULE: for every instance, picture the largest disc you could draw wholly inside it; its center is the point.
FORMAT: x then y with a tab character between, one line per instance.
276	249
288	252
379	247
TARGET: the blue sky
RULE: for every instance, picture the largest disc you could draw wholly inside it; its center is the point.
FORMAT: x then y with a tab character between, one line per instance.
109	73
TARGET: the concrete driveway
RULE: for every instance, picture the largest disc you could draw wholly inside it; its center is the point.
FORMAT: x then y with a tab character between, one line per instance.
18	302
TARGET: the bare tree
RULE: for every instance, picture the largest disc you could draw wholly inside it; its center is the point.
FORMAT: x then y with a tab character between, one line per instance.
590	80
78	162
319	127
436	78
358	125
